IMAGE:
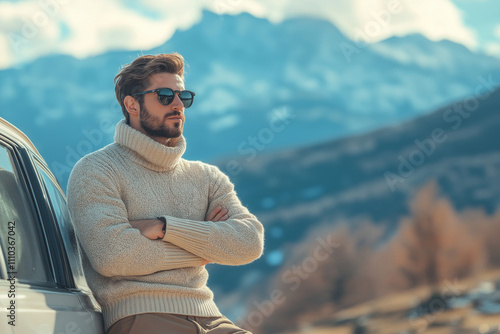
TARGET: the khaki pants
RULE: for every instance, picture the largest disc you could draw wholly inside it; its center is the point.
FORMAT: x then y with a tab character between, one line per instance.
165	323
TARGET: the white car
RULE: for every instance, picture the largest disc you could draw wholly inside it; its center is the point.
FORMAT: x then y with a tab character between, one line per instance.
42	285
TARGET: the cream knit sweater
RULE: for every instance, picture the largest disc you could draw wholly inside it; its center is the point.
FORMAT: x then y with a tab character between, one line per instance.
138	178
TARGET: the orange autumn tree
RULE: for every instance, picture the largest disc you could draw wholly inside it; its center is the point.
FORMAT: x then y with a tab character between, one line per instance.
433	244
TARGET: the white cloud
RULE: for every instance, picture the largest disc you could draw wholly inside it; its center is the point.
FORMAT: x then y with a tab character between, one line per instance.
5	56
32	28
493	49
26	32
81	28
375	20
111	25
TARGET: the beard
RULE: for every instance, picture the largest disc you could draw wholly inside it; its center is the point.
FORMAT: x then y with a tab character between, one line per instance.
155	127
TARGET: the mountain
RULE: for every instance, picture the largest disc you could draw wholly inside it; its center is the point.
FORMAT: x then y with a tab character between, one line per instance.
260	87
372	176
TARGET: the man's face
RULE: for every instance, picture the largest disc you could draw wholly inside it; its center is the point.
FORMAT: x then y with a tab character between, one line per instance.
160	121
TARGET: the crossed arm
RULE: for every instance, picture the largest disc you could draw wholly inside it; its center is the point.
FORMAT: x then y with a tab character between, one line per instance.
153	228
229	235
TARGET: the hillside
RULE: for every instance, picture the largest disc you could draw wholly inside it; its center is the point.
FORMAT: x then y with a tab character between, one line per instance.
349	180
245	70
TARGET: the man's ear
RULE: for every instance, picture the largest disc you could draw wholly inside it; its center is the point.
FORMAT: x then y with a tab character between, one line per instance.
132	106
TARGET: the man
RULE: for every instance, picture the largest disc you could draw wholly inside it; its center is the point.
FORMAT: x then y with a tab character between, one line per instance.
148	220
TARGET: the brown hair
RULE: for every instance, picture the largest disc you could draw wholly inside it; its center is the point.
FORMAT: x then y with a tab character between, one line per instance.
134	77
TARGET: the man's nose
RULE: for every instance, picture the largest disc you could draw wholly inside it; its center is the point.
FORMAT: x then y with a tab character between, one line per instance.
177	103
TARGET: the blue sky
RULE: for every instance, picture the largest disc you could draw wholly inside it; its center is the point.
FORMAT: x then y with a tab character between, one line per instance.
484	18
33	28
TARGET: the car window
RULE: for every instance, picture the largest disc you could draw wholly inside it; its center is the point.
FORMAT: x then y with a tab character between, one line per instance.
21	243
59	207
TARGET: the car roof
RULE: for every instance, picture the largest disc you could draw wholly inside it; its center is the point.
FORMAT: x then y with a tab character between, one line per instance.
12	132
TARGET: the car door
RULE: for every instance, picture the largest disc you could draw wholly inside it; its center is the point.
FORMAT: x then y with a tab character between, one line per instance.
38	291
74	276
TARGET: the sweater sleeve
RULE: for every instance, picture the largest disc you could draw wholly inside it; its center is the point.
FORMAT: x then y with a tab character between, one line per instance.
236	241
112	245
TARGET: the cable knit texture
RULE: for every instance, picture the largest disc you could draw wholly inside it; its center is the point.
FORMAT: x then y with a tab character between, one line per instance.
138	178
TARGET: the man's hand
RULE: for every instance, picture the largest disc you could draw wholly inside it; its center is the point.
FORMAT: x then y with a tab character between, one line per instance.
150	228
217	214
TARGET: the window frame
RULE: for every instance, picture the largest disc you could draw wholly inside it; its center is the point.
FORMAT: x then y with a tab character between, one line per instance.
22	165
62	270
68	271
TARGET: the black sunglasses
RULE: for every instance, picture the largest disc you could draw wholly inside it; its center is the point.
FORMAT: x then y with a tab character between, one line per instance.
167	95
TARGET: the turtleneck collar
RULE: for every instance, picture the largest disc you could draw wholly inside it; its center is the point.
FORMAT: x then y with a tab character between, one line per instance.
147	151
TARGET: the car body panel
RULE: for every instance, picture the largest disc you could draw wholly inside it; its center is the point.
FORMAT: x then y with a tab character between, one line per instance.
42	286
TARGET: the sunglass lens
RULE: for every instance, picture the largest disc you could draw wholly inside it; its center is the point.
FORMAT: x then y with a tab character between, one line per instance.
186	98
166	96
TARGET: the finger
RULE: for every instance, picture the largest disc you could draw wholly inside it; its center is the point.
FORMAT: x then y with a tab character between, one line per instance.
217	211
225	217
152	235
213	213
220	215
